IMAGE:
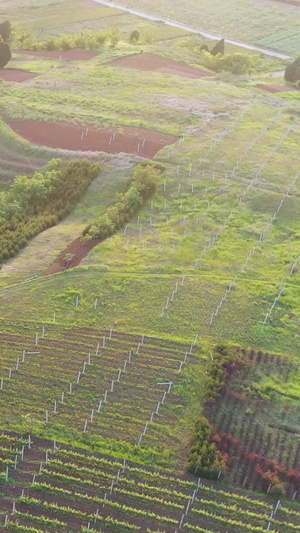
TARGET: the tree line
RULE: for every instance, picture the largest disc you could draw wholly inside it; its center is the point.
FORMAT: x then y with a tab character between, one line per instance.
141	186
34	204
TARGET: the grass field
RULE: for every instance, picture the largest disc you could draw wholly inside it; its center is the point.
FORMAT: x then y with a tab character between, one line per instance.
125	340
257	22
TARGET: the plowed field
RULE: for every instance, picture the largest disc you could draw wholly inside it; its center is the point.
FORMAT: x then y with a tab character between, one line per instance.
112	140
152	62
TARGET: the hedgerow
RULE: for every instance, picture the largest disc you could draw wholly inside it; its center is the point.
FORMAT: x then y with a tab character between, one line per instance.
140	188
34	204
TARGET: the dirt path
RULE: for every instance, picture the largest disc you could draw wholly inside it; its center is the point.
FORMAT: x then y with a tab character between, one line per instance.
78	249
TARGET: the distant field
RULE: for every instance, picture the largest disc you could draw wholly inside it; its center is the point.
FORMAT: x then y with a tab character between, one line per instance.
287	41
246	20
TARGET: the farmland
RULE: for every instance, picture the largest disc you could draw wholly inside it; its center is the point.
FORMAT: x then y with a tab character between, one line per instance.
55	495
259	22
106	360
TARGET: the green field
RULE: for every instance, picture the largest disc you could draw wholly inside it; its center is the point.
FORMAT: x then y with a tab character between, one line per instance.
109	361
261	22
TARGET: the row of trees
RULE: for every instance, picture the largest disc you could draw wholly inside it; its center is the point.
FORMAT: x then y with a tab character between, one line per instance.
84	40
140	188
33	204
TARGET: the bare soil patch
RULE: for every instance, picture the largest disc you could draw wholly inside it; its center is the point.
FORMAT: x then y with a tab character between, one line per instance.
60	54
112	140
152	62
275	88
78	249
16	75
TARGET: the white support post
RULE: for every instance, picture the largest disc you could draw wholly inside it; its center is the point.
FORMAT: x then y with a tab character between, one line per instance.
85	426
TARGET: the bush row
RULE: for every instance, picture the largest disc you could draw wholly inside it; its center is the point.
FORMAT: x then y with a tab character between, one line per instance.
32	205
140	188
225	361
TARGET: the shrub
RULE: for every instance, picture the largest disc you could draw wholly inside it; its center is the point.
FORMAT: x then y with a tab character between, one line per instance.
140	188
204	457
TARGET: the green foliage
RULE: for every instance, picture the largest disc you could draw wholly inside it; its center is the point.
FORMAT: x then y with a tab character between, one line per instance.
236	63
84	40
224	361
204	458
33	204
292	71
141	187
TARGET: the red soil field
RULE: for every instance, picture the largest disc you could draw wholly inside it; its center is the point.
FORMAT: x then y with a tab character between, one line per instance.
60	54
139	141
78	249
16	75
274	88
152	62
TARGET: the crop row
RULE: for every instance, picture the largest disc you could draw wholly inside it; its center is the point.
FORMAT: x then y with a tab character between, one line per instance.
65	488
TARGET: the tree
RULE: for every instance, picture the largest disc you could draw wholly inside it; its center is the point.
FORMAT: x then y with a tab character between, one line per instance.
134	36
219	48
5	54
204	47
292	71
114	36
5	30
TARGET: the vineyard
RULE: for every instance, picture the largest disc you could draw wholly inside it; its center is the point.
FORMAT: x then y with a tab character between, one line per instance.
52	487
104	385
149	308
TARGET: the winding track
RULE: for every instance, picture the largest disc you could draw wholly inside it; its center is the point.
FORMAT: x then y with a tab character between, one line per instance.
191	29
